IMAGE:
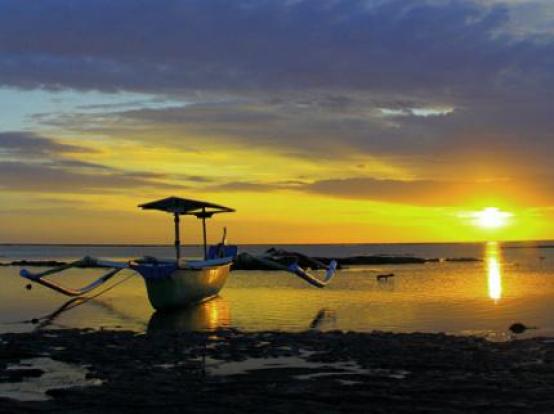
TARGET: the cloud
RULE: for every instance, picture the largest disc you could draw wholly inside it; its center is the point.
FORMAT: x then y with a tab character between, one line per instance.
268	45
247	187
431	193
534	190
29	144
324	125
423	112
32	163
527	18
349	128
433	86
50	178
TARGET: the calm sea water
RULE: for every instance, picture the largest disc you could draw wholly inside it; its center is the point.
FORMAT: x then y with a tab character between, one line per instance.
481	298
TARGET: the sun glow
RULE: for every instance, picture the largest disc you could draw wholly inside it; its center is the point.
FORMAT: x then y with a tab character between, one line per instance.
491	218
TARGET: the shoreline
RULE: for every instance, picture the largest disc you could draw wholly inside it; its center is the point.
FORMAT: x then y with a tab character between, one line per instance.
234	371
245	263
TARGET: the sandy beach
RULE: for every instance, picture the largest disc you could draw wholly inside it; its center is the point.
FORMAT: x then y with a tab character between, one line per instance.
231	371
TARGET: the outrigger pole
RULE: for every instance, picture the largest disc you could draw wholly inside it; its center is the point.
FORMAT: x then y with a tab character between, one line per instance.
115	267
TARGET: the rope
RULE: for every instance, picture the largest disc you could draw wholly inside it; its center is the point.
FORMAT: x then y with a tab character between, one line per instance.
72	304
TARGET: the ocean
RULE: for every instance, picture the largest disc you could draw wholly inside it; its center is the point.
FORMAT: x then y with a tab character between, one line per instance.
512	283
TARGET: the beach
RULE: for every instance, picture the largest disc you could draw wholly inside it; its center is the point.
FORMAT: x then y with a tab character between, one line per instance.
232	371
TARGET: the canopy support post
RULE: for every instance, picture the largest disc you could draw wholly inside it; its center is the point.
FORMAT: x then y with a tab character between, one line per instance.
204	233
177	241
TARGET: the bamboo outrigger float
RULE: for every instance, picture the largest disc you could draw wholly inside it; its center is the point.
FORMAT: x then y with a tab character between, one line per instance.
172	283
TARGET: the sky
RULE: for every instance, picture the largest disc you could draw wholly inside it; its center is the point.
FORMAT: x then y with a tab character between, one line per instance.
319	121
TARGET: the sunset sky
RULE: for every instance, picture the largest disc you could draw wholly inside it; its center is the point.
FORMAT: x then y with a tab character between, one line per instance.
318	120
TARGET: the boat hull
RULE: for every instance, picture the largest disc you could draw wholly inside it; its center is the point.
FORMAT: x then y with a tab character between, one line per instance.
184	287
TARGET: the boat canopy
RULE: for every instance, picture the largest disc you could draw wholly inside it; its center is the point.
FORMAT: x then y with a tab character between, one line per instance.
183	206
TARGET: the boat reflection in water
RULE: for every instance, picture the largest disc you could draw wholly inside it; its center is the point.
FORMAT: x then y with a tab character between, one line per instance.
206	316
323	319
494	271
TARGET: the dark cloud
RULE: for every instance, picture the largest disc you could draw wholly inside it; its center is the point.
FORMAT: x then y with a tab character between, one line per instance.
28	144
49	178
534	190
66	163
417	191
433	192
315	126
193	178
447	46
313	78
32	163
289	125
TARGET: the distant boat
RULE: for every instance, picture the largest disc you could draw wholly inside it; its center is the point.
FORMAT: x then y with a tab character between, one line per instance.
174	283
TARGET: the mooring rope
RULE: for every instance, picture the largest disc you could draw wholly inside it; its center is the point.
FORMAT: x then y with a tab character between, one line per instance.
46	320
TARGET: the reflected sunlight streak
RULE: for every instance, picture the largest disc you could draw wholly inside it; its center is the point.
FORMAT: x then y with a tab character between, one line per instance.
494	271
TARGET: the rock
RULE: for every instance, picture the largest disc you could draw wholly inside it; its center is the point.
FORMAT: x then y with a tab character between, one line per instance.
385	276
246	261
519	328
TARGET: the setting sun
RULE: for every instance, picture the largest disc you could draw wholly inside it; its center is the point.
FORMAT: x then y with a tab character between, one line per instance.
492	218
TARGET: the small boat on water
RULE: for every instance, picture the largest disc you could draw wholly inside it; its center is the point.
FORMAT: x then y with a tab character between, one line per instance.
173	283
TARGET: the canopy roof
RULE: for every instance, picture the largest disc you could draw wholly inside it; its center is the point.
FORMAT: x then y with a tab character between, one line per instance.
185	206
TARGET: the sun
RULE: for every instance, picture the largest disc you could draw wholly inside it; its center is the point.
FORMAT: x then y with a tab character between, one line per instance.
491	218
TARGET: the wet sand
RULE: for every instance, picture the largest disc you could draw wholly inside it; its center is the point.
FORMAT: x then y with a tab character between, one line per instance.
231	371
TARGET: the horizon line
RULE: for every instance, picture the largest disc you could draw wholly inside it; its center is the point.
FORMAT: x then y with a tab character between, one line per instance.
5	244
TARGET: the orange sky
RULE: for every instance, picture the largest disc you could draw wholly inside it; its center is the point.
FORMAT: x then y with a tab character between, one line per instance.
319	122
273	207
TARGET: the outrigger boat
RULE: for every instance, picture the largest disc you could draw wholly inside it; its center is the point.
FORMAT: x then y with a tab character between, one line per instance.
173	283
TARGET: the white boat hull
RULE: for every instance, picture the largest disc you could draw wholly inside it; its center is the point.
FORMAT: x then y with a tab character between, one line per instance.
186	286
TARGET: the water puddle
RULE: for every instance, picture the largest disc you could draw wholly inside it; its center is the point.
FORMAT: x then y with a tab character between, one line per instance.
225	368
394	374
55	375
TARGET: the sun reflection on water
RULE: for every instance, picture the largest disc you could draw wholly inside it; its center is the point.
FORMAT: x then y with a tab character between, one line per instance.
494	271
206	316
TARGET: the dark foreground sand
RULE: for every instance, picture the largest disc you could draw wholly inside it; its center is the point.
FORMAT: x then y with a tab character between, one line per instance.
312	372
